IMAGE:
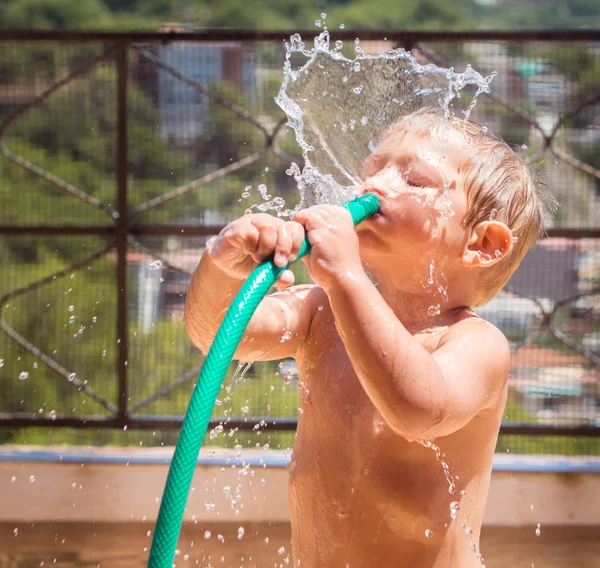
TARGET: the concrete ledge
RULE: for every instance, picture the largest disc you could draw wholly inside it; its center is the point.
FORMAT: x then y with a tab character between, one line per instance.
124	484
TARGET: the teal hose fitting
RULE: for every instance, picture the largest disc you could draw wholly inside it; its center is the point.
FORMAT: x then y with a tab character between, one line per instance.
197	418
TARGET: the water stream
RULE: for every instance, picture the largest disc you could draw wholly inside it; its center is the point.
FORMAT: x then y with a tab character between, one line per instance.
339	107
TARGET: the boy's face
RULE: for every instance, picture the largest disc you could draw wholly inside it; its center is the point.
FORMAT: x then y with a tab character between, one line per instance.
419	180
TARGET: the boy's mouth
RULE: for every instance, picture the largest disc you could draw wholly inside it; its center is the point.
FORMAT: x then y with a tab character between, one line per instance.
381	200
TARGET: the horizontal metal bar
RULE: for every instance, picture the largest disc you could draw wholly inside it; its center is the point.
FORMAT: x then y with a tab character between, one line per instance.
188	230
180	230
55	230
574	233
280	424
197	230
245	35
21	420
524	429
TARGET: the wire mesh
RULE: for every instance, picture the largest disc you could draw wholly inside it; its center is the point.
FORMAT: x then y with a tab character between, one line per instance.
205	142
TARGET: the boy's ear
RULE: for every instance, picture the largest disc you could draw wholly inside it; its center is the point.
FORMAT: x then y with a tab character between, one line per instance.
490	241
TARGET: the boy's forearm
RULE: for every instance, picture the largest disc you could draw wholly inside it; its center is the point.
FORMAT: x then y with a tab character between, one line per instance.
210	293
398	374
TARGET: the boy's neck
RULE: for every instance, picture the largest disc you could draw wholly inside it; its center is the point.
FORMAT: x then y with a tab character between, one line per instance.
420	307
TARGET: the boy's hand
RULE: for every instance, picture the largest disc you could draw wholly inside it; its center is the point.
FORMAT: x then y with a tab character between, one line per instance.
333	240
247	241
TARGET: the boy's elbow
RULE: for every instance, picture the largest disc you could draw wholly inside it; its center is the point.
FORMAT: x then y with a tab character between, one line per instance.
198	335
416	423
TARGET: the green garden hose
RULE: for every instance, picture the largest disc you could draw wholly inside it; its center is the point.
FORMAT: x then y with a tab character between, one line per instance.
195	423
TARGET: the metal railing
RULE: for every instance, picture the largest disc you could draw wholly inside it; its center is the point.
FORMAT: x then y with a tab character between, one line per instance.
166	130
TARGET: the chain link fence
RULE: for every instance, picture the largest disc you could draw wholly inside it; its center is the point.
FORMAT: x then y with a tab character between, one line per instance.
122	154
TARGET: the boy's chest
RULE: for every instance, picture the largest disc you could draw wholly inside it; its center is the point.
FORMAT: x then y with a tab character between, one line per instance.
328	381
333	401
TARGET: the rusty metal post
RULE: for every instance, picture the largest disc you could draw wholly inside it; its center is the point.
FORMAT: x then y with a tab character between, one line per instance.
121	230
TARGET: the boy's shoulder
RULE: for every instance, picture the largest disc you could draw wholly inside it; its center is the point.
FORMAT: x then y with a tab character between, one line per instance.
471	325
481	347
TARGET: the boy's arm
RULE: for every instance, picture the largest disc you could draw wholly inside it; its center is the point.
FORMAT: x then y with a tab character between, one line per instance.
281	321
421	395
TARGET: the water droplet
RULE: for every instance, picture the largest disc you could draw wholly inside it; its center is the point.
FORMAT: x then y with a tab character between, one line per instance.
104	353
71	308
94	319
433	310
538	530
52	414
287	335
241	532
209	506
339	44
72	319
227	490
23	376
155	265
524	147
356	67
281	551
263	482
16	531
220	537
207	535
71	377
31	478
149	533
13	479
262	189
1	362
342	27
245	409
318	23
357	91
454	507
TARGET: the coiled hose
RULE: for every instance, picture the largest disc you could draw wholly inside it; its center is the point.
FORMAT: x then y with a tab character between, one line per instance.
197	418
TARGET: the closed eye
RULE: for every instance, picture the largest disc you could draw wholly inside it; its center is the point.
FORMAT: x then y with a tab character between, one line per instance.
418	181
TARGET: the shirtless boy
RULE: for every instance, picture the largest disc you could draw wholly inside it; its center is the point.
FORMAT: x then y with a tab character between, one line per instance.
389	351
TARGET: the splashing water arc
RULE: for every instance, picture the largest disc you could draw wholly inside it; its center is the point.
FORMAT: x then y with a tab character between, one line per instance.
340	107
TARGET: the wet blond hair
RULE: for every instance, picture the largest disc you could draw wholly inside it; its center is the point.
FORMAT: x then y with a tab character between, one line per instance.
499	187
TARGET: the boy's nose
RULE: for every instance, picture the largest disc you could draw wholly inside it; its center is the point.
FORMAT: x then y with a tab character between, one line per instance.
383	182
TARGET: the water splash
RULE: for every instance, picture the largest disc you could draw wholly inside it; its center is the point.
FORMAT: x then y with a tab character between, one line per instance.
339	107
445	466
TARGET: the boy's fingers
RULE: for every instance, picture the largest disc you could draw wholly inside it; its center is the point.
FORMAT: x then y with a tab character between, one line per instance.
286	279
284	245
266	243
298	235
247	236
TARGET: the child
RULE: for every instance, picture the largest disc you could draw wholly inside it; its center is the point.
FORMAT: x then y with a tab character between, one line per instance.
390	354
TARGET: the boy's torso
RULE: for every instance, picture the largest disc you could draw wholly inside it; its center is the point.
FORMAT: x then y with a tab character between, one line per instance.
363	496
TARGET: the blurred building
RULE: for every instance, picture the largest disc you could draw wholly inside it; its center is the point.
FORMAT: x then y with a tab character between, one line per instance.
184	110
